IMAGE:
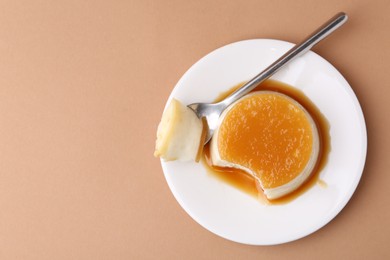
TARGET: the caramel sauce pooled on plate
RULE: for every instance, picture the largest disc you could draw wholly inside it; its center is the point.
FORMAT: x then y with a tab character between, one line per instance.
245	182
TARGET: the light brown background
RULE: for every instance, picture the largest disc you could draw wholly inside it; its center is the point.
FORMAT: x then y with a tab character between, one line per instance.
82	88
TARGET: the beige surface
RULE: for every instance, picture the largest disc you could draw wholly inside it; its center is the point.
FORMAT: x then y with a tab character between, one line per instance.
82	88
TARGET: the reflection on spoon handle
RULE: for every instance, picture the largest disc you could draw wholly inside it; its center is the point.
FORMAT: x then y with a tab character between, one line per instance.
299	49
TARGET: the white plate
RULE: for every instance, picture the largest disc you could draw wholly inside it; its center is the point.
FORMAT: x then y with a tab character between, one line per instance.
229	213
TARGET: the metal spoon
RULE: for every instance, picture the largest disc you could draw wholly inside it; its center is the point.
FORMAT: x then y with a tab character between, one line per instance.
211	112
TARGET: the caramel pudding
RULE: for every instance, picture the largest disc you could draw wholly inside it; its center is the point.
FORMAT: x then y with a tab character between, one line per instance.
272	143
271	137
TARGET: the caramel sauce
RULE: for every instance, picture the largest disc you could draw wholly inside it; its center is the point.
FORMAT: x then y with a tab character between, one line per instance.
245	182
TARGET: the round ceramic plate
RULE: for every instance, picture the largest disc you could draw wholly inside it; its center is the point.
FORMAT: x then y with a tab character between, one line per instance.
234	215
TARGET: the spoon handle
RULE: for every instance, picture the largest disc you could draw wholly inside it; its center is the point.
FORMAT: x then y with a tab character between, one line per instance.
299	49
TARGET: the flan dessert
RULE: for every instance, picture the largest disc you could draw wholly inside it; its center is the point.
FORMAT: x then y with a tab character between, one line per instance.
179	134
269	136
